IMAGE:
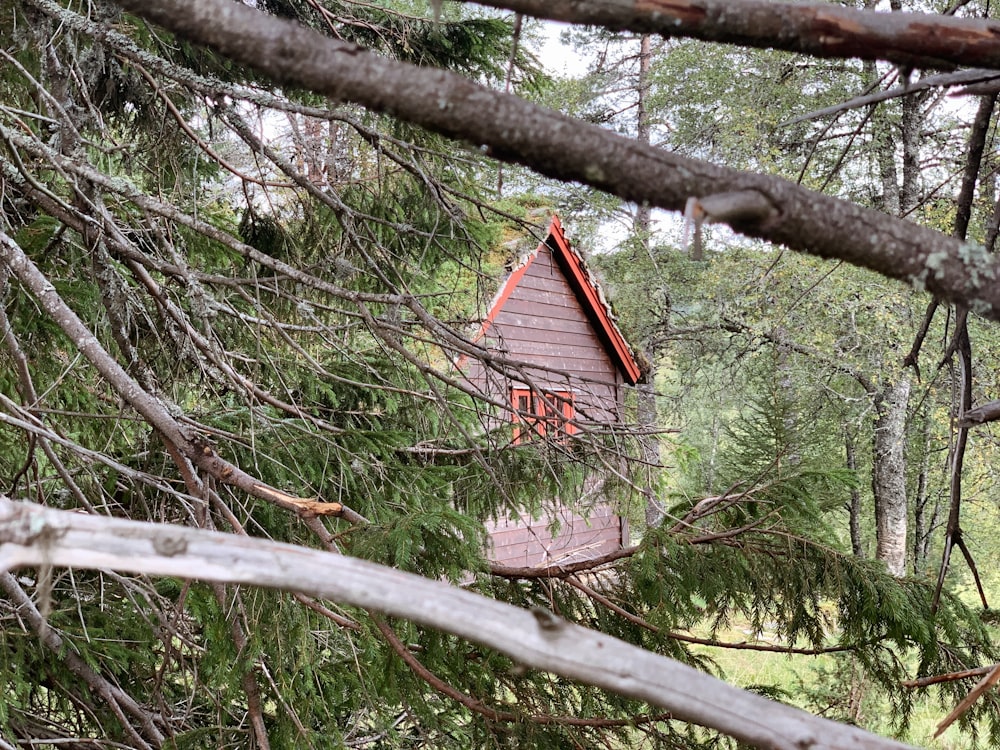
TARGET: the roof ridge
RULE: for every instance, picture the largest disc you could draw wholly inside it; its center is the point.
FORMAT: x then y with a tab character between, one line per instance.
587	289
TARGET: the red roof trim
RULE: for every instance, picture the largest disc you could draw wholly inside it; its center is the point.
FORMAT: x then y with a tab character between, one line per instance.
586	290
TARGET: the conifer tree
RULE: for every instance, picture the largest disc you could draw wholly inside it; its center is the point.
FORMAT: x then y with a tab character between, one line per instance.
233	304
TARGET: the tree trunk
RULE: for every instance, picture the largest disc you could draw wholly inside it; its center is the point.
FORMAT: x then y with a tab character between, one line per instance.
924	515
647	416
889	476
889	459
647	411
854	509
885	151
643	210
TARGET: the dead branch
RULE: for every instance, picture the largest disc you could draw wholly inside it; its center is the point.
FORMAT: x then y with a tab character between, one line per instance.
965	78
34	535
922	682
988	412
561	570
194	447
147	735
567	149
981	687
961	345
817	29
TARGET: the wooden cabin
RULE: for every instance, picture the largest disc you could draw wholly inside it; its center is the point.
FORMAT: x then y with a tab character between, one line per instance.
551	315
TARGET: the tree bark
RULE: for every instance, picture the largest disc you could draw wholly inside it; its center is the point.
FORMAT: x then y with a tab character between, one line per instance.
889	454
643	213
647	410
889	475
924	513
35	535
817	29
854	508
884	145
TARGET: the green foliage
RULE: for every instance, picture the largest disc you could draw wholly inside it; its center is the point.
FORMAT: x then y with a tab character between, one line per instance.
763	354
321	363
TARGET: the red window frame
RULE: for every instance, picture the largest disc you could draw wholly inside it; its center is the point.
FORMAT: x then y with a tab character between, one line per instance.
542	413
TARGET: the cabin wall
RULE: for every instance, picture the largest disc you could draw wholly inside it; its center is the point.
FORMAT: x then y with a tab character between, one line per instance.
528	542
543	323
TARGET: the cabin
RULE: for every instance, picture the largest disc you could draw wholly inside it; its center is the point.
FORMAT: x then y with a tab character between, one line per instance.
551	315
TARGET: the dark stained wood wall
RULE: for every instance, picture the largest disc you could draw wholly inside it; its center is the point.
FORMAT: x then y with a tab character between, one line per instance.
542	322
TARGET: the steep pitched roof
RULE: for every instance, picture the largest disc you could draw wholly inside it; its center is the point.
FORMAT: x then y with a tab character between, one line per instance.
587	290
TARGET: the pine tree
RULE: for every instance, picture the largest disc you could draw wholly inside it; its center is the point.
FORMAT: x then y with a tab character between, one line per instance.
232	305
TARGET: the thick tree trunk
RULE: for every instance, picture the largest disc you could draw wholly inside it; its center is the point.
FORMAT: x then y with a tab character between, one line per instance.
889	456
889	476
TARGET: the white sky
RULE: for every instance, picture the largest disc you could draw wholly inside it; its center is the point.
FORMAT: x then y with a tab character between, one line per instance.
559	58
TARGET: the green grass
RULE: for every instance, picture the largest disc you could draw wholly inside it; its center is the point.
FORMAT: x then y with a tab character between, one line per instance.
798	675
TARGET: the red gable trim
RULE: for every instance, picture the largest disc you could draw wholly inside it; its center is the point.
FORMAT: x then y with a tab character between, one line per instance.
586	291
585	288
501	297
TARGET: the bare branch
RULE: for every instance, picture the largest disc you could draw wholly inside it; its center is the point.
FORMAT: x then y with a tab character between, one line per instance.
942	80
561	570
570	150
988	412
981	687
120	702
949	677
194	447
34	535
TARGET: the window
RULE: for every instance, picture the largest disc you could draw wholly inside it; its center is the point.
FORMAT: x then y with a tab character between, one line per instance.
542	413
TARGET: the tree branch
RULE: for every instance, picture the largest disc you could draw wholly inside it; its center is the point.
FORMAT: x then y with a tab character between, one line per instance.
991	679
817	29
942	80
34	535
194	447
936	679
120	702
567	149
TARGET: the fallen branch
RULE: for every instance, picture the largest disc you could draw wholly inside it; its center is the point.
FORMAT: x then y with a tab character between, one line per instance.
35	535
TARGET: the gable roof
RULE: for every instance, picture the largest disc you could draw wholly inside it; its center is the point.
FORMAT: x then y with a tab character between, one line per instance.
587	290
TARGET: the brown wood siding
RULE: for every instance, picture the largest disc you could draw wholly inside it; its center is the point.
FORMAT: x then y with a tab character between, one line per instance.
528	542
543	322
